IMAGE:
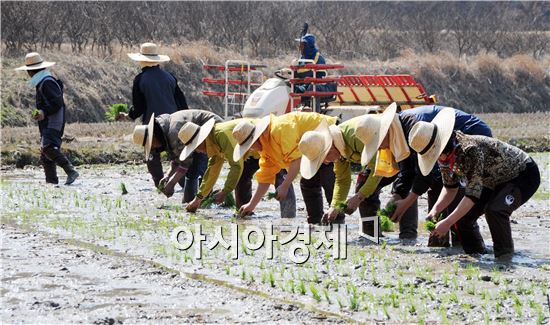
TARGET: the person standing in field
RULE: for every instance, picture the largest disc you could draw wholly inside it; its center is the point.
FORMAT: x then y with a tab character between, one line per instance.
155	91
499	179
50	114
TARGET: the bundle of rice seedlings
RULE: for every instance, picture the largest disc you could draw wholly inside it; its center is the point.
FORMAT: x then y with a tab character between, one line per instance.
385	217
35	112
114	110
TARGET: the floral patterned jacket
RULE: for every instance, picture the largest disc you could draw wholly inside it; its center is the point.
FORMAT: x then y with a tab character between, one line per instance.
483	162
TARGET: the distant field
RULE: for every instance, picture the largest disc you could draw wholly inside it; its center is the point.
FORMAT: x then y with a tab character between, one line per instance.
93	143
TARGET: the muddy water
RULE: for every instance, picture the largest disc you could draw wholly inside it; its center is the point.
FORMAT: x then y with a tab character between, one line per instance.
106	241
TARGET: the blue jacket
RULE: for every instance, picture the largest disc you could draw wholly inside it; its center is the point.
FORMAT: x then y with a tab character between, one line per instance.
310	52
155	91
410	178
49	98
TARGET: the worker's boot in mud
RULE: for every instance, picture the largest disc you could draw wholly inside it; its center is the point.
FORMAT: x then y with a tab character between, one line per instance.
51	174
50	169
288	205
54	154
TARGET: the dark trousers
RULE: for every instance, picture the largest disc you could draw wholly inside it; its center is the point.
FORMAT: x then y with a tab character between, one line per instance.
454	235
312	189
51	155
190	182
370	205
243	190
498	205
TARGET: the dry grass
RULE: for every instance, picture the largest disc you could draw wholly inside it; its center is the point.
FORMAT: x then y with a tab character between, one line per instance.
482	83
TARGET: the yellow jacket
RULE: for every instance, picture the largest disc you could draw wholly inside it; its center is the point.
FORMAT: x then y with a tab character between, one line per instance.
280	142
220	144
342	167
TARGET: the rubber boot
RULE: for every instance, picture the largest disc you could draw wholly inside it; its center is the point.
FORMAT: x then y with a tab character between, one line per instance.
50	170
54	154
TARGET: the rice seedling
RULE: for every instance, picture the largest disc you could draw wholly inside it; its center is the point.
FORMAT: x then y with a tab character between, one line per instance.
340	304
314	292
517	305
271	195
35	113
429	225
302	288
326	295
271	279
354	302
123	188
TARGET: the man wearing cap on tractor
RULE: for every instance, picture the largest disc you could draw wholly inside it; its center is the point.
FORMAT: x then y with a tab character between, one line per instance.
276	138
344	148
499	179
410	183
218	143
163	133
50	115
156	91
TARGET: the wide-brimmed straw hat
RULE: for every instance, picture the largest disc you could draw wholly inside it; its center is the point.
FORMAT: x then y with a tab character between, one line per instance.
33	61
338	139
148	52
429	139
192	135
372	130
246	133
143	135
314	146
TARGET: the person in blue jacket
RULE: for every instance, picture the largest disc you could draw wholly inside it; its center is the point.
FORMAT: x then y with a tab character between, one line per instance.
410	183
50	114
309	52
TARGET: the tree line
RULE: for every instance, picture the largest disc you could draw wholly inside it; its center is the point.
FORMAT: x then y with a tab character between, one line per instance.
345	30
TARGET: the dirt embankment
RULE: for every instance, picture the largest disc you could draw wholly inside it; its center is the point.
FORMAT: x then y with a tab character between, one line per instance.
110	143
483	83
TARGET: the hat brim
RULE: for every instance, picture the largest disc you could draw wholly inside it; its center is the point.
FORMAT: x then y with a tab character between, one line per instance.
259	127
43	65
150	134
338	139
386	118
148	58
308	168
445	122
204	131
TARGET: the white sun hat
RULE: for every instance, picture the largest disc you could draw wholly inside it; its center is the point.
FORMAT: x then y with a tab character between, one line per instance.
372	130
192	135
246	132
148	52
143	135
314	146
429	139
33	61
